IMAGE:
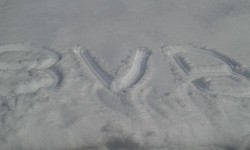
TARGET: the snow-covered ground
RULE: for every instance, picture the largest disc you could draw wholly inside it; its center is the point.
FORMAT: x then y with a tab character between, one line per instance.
116	74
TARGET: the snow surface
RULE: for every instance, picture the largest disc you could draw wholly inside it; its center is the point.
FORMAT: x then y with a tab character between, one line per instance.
169	95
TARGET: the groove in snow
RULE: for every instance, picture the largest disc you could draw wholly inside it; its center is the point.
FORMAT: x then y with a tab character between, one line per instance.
98	72
136	72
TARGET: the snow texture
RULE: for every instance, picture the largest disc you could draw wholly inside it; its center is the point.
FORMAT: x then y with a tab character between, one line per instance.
137	69
204	76
114	95
100	74
185	115
133	75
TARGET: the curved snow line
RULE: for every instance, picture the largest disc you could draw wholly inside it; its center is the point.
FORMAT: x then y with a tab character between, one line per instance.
173	51
42	79
137	69
233	65
98	72
13	50
234	69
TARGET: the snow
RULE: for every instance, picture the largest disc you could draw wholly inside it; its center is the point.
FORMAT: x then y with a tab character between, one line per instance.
136	71
100	74
112	93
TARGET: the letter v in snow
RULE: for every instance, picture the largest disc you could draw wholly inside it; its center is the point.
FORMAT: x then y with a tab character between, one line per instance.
133	75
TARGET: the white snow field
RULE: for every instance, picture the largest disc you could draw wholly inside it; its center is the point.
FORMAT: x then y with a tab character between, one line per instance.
149	75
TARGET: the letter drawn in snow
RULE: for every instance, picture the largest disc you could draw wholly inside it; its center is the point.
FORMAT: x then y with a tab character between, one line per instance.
133	75
93	66
209	71
137	70
25	68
